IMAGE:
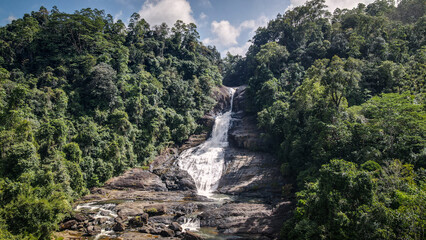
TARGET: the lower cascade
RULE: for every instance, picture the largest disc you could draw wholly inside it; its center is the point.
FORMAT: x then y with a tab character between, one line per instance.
205	162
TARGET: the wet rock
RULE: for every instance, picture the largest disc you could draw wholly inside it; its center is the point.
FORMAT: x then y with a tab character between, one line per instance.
178	233
100	191
191	236
157	229
71	224
155	210
120	218
79	217
239	218
137	178
164	219
240	103
128	209
101	221
175	227
244	132
93	230
184	209
222	97
178	180
80	226
139	220
145	229
167	232
207	121
163	161
253	174
175	179
118	227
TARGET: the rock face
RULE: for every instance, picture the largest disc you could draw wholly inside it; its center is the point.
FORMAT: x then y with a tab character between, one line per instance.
248	169
174	179
137	179
223	99
251	174
244	132
240	218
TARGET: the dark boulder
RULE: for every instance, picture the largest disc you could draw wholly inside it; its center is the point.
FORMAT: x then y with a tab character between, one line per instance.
139	220
175	227
191	236
118	227
167	232
178	180
93	230
71	224
155	210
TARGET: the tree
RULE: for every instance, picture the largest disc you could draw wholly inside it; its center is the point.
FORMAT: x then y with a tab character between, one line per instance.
101	88
273	56
340	78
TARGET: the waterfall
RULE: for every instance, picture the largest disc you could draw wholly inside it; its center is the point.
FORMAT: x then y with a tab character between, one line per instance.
205	162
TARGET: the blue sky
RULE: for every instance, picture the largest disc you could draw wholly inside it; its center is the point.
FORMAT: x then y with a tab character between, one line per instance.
227	24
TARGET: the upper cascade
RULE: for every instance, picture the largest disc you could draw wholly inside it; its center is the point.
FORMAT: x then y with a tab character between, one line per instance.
205	162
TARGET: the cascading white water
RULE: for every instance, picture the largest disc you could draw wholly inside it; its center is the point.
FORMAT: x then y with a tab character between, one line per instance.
192	224
106	211
205	162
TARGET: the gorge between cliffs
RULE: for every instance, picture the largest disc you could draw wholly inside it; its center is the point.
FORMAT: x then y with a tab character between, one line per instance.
219	185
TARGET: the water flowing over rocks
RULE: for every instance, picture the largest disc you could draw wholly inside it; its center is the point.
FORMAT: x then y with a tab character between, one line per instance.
242	199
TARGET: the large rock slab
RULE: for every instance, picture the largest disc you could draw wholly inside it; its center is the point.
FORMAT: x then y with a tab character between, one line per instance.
244	132
250	173
222	96
138	179
245	218
174	178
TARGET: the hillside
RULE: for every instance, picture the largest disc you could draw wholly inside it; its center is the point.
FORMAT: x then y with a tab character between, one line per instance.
83	98
341	97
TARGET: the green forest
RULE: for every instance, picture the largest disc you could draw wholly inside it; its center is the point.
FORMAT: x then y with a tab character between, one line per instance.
341	95
82	98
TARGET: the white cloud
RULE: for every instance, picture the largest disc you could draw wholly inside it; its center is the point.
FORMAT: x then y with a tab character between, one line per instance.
226	35
118	15
333	4
203	16
241	50
205	3
207	41
253	25
156	12
11	18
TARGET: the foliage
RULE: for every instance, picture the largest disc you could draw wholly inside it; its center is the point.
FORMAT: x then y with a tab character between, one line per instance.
83	98
347	85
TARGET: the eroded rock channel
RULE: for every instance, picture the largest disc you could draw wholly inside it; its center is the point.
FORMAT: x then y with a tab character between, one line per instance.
227	187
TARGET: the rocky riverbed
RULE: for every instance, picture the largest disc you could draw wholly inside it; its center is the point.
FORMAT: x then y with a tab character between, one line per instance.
162	202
